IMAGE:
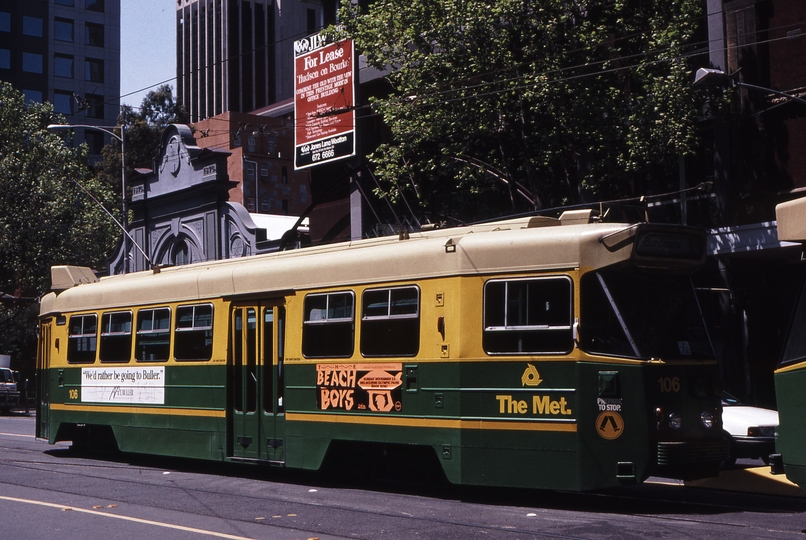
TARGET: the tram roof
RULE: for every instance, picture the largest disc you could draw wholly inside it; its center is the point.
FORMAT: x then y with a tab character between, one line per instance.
791	218
510	246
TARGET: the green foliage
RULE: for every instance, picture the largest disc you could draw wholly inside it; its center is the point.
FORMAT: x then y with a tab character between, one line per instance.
45	218
144	129
575	100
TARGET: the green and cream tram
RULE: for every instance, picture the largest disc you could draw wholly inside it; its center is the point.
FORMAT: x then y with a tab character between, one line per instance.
537	352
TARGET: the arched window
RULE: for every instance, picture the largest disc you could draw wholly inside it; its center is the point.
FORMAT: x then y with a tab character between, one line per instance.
181	254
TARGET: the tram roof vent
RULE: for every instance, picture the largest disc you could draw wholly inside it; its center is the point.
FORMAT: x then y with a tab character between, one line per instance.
66	277
577	217
542	221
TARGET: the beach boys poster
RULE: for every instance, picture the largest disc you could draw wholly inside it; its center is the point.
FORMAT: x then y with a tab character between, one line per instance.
324	107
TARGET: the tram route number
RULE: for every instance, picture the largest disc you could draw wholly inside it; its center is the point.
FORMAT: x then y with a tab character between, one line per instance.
669	385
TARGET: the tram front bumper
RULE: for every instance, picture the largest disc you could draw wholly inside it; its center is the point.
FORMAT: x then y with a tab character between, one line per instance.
689	460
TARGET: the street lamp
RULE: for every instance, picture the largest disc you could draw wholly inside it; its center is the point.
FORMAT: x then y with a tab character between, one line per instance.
717	77
122	139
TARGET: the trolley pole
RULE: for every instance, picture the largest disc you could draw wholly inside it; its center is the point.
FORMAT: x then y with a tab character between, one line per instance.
125	208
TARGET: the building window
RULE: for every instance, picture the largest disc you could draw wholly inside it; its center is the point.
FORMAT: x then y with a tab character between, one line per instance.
32	96
63	66
64	2
31	62
5	21
284	207
63	30
95	106
311	20
94	35
193	336
390	322
95	5
94	140
32	26
116	337
327	329
94	70
5	59
153	335
82	339
250	144
63	102
528	316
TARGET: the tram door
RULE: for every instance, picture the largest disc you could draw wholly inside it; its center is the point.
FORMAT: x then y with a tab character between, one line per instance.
257	381
42	380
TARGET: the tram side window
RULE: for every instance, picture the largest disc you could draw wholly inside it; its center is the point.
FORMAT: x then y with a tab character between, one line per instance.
193	336
528	316
116	337
328	327
82	339
153	335
390	322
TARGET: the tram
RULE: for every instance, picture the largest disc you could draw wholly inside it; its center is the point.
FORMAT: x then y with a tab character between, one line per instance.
790	377
551	353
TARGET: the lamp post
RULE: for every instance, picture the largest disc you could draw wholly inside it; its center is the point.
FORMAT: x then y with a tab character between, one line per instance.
717	77
122	139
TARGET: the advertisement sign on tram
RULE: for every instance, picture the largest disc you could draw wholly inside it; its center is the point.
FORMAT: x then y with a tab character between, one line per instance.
324	105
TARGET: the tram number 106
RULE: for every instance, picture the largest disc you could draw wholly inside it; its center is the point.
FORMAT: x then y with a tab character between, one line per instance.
669	385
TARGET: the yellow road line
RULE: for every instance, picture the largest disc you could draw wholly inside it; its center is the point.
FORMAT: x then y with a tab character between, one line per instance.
126	518
18	435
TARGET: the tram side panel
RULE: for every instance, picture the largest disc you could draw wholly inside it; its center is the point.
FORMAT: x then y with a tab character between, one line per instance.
161	406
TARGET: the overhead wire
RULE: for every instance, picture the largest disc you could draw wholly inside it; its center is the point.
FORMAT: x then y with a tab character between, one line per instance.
472	91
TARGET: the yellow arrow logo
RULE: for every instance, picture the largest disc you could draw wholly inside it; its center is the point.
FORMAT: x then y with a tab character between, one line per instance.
531	377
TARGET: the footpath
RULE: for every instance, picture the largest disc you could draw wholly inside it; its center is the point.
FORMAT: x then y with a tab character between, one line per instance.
751	480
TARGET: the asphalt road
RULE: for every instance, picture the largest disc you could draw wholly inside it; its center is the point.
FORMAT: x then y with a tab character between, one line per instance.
53	492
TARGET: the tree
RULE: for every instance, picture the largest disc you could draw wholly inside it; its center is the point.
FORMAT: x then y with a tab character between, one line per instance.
46	218
144	129
549	102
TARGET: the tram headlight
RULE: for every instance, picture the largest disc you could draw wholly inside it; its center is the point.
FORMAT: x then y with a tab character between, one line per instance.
707	419
674	421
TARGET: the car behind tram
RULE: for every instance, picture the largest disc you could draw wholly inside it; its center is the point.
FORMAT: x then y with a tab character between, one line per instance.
550	353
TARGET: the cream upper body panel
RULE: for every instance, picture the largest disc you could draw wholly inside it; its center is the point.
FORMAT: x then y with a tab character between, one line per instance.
500	248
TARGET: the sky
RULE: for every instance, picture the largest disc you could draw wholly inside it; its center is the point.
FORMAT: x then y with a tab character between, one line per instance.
147	48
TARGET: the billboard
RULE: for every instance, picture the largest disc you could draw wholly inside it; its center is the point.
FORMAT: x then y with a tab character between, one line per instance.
324	105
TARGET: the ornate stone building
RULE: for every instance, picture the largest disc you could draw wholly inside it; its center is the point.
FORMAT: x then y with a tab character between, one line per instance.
181	212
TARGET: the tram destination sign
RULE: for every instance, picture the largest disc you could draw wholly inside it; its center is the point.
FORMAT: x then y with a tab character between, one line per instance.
324	105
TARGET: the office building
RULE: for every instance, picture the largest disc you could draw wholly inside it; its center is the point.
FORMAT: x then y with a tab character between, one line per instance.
237	55
66	52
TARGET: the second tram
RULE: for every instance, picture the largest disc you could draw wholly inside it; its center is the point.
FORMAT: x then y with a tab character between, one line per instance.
552	353
790	377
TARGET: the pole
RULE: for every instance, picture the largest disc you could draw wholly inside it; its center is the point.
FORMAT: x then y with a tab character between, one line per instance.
123	196
125	218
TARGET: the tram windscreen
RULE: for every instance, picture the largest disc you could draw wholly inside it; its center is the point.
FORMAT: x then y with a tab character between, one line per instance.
795	349
641	315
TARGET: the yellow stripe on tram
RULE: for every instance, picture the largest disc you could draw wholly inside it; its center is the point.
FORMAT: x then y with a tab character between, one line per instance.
792	367
500	425
167	411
